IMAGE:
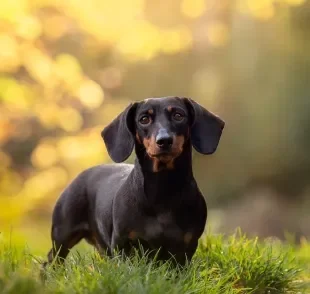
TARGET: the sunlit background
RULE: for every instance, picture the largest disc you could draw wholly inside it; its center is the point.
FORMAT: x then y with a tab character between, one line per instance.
67	68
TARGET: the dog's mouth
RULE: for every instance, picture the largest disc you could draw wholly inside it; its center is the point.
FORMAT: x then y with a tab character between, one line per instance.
160	153
163	156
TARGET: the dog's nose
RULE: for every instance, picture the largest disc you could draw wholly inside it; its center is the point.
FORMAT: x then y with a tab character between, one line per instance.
163	139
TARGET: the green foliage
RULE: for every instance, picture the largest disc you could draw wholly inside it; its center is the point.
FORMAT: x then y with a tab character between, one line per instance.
222	265
261	267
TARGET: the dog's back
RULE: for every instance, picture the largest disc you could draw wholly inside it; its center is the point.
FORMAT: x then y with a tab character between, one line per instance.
106	177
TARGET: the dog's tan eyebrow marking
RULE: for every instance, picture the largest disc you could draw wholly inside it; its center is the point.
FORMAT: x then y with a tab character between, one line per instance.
169	108
150	111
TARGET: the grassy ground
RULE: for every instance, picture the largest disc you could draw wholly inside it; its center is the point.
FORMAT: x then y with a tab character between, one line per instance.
221	265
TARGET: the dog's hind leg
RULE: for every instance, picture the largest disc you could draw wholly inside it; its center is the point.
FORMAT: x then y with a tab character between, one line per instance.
68	229
61	247
63	241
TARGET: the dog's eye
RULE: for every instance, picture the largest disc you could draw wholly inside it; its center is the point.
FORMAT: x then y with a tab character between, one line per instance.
178	116
144	120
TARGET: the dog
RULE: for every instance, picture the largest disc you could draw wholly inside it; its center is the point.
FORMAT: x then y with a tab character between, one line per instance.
155	202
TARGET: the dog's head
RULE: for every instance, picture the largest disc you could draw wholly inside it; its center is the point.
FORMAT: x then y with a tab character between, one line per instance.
161	127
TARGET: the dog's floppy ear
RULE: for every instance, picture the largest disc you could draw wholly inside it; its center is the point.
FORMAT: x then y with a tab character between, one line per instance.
118	135
206	128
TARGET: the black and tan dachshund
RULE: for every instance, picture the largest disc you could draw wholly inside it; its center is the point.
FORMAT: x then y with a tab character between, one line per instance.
155	202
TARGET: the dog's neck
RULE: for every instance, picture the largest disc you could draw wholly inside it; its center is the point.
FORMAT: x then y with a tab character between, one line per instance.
166	186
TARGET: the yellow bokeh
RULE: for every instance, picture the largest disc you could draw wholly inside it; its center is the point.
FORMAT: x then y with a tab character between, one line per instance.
84	150
193	8
55	26
45	155
90	94
38	64
106	20
295	2
141	41
68	70
9	55
7	178
206	86
110	110
39	185
69	119
16	95
13	10
176	40
217	34
52	116
28	27
262	9
47	114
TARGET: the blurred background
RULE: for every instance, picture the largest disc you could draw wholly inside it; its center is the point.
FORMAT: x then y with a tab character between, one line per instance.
67	68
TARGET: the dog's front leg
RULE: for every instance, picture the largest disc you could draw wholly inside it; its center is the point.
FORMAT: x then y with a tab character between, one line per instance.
120	245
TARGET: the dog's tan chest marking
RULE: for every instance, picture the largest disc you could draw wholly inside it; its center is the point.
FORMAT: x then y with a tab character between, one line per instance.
133	235
188	236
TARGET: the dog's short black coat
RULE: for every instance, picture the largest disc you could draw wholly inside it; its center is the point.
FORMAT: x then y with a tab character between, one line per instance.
155	202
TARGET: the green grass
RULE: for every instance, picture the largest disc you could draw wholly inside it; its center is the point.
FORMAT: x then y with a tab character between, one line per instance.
221	265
